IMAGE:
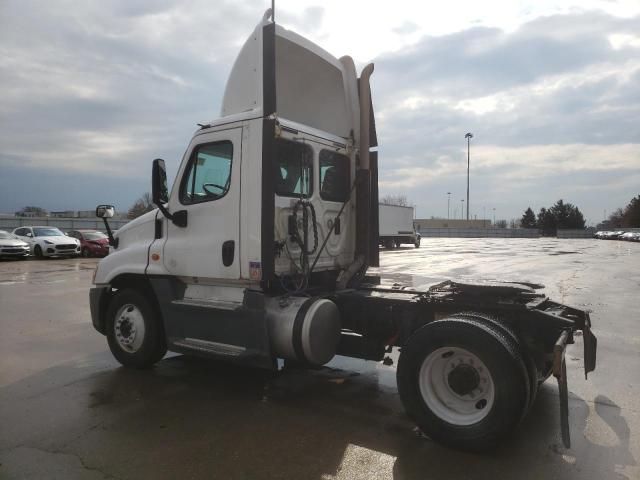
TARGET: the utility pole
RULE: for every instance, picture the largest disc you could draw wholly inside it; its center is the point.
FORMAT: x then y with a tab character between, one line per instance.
468	136
462	210
448	203
494	216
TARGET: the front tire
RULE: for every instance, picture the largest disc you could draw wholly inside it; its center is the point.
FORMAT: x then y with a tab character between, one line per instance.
417	243
85	253
462	383
38	252
134	330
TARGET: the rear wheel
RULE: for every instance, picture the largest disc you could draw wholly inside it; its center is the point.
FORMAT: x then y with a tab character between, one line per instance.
417	242
520	352
134	330
462	383
38	251
389	244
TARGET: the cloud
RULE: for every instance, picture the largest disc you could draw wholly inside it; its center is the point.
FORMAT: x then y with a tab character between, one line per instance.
552	99
93	92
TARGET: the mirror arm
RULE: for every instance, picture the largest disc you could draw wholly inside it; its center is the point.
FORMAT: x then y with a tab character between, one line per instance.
112	241
164	211
179	218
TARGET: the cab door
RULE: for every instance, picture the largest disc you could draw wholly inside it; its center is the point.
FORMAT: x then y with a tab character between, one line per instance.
208	189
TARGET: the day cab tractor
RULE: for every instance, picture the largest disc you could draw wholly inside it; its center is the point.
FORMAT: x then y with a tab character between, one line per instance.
260	252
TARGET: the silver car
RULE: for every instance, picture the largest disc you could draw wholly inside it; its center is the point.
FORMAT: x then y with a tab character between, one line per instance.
12	247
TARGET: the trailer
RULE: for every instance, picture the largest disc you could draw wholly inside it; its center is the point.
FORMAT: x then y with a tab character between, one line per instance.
261	251
396	226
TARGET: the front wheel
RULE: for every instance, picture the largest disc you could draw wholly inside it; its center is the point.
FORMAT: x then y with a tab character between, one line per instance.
85	253
460	381
134	330
38	252
417	242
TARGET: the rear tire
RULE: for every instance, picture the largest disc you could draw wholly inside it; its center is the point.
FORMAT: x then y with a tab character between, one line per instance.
417	243
389	244
527	364
462	383
134	330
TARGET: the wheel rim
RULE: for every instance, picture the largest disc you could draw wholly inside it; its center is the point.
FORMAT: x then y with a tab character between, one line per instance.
456	386
129	328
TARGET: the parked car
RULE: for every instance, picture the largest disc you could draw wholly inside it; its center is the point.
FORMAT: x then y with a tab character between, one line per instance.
48	241
12	247
93	243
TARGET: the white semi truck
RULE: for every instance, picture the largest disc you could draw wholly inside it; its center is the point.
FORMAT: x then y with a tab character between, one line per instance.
260	252
395	226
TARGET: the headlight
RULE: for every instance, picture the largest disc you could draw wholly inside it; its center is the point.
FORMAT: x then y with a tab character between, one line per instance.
48	242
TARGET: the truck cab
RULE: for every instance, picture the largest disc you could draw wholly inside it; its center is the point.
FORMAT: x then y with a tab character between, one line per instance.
260	252
263	205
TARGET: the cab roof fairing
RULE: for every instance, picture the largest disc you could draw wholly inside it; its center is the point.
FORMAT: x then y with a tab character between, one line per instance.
312	86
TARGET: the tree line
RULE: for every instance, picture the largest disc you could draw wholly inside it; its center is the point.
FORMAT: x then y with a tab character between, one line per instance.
559	216
628	216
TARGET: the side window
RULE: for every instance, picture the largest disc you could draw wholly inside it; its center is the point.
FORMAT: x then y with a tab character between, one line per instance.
294	162
334	176
21	232
73	234
208	176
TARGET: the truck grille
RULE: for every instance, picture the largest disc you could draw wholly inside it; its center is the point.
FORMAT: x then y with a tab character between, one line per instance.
66	247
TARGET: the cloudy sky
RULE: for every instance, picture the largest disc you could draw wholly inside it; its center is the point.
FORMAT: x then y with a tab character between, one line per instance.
93	91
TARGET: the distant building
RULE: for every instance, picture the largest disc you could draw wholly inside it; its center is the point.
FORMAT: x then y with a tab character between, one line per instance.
424	223
63	214
86	214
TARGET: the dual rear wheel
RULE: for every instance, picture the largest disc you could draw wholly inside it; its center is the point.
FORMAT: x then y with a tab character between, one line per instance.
466	381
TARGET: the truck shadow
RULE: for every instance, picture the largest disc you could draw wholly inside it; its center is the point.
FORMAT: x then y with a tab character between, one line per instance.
212	420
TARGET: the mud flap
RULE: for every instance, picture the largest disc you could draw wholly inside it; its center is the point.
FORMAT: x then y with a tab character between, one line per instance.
590	343
560	372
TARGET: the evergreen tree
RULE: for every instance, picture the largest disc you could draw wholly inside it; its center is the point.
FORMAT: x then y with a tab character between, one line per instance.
528	220
546	222
631	217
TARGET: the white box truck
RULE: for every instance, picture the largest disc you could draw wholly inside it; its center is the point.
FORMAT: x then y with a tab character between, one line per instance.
260	252
395	224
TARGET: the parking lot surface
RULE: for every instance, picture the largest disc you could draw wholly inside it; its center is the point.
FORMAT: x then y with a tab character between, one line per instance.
69	411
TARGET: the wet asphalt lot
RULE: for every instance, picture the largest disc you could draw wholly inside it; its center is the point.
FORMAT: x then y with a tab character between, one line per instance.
69	411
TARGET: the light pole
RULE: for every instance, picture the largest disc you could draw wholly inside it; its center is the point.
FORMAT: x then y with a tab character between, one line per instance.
484	216
448	203
462	210
494	217
468	136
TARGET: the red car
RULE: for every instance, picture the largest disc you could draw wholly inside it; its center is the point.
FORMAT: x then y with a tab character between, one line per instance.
92	242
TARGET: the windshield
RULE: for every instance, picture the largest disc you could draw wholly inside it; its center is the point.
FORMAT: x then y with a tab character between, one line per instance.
5	235
94	235
47	232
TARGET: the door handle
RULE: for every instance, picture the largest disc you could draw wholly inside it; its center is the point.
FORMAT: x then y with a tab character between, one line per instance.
228	252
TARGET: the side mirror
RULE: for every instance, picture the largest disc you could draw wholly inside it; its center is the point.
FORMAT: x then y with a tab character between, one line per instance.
105	211
159	190
28	234
160	193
